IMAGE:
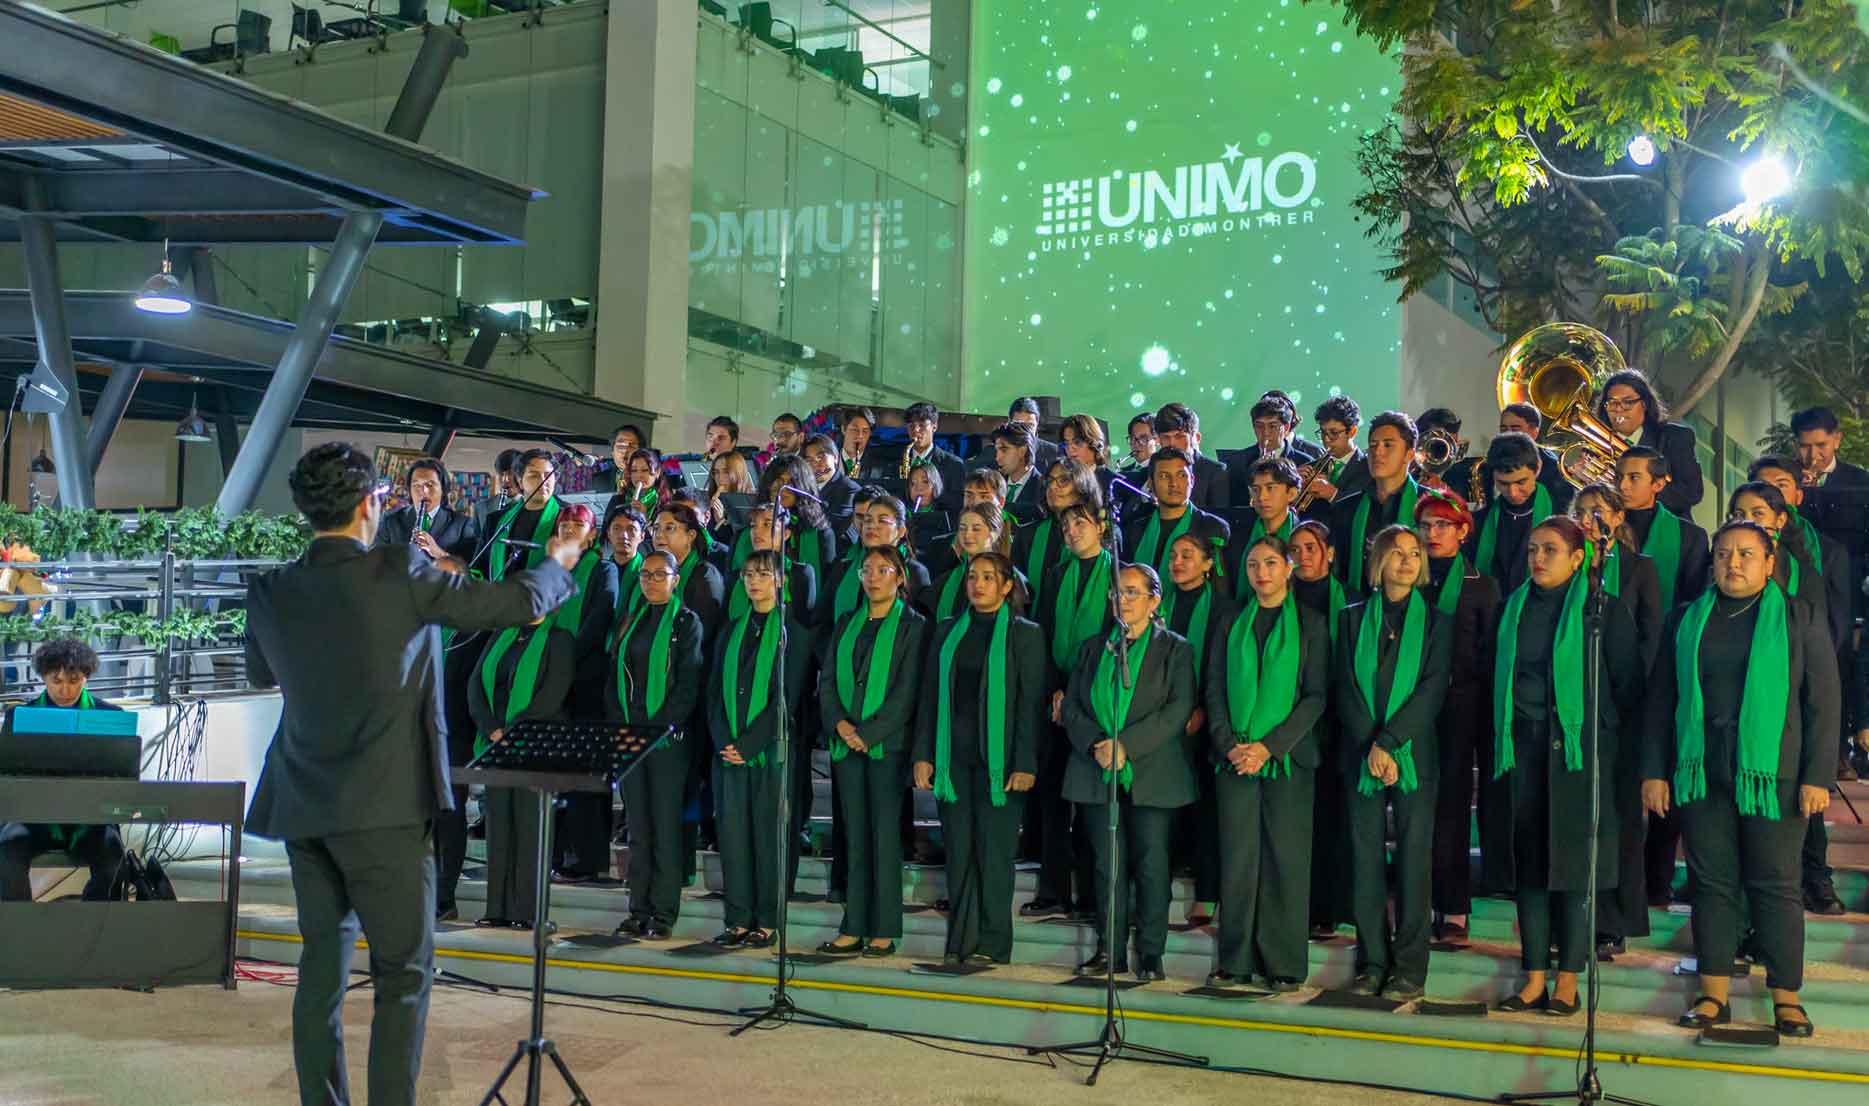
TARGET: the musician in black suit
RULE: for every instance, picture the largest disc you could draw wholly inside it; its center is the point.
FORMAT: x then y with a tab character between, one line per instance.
1344	467
1836	499
1014	450
1274	428
66	665
428	523
834	486
1024	411
1177	426
527	522
922	418
1523	418
613	475
1629	404
1517	500
352	781
1176	484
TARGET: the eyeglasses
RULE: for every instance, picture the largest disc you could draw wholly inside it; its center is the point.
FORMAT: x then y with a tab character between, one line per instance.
1133	595
1141	439
655	574
1332	435
1060	481
876	571
1621	404
757	574
1439	524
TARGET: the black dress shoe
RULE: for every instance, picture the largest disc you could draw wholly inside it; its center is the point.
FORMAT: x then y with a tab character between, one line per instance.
657	931
1792	1027
631	927
1323	933
1149	969
1368	983
832	948
942	906
1402	990
1513	1004
1099	963
757	939
730	938
1608	948
983	960
1694	1019
1043	908
1821	898
492	923
878	952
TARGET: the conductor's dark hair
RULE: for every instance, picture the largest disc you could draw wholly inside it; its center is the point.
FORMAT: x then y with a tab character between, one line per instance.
922	412
1341	409
507	461
434	465
1510	451
1815	418
1773	461
1525	412
1403	425
1278	468
1657	461
1654	411
329	482
1025	405
1437	418
65	654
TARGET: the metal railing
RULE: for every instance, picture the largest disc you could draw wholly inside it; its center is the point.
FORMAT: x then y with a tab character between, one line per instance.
89	593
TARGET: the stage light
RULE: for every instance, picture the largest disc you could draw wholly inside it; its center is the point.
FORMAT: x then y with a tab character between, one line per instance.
162	294
192	428
1765	179
1642	150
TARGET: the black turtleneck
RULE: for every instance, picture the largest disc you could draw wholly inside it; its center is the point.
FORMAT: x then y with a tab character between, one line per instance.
1263	619
1639	521
1181	618
1725	646
1531	670
1515	524
970	659
1314	594
1438	568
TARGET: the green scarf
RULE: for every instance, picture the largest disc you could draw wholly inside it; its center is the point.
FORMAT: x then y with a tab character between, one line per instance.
629	586
1612	572
525	677
994	717
1566	671
1036	561
809	546
64	833
875	680
1338	601
1262	688
1489	530
1109	699
646	500
658	674
570	614
1407	672
738	604
548	521
1258	531
849	589
950	589
1404	513
1763	706
1197	622
1147	548
762	676
1455	582
1813	544
1663	546
1077	613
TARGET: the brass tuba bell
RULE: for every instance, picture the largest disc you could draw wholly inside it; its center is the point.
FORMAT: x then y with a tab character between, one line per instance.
1559	368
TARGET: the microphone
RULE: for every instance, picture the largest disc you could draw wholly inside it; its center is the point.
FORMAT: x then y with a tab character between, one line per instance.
521	544
1119	482
588	459
802	494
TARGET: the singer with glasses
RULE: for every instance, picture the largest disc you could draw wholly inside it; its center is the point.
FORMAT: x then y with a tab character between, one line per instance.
427	522
1131	730
1268	673
1038	546
654	678
1537	843
1743	706
742	714
866	700
1389	680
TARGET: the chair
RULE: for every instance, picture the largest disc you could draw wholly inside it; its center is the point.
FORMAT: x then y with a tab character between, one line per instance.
307	26
757	20
253	33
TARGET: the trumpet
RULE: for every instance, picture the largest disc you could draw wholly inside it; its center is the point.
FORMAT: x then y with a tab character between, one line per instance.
1307	489
1440	451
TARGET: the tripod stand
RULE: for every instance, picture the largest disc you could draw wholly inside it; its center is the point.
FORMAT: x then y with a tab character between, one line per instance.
1109	1043
781	1008
552	758
1595	613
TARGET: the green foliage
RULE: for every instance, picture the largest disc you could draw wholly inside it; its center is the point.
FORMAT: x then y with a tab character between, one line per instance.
1508	173
198	533
182	626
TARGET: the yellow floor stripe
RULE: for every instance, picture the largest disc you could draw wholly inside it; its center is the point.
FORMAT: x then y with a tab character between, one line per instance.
1332	1032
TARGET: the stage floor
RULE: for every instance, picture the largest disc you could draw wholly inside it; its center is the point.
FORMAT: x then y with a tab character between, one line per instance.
206	1047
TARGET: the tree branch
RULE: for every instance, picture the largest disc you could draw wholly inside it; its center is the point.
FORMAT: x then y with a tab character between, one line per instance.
1761	268
1605	178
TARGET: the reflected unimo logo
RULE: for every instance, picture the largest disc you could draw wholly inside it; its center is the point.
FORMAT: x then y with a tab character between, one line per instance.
1209	194
863	227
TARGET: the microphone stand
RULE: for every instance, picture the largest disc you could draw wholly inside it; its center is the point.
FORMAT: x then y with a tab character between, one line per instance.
781	1009
1109	1044
1595	614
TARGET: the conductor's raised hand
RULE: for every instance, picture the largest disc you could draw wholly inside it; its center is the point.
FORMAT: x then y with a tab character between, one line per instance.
566	551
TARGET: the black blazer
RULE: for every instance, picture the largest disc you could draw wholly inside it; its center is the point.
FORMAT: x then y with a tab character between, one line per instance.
366	622
1213	485
705	593
1292	737
454	531
1693	569
1028	699
1029	505
1641	593
826	613
839	494
686	656
1207	526
1550	477
1840	508
591	634
1685	485
1469	702
1239	463
1353	479
1158	717
551	696
1413	721
892	724
760	729
1807	755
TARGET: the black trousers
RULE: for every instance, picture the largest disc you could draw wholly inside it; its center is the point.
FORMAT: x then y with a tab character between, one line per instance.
1622	911
1141	856
1814	858
1330	850
380	883
512	817
1452	874
450	850
1265	872
1545	915
870	793
99	848
581	834
1401	952
745	815
1660	846
653	795
980	839
1745	866
1197	834
1064	853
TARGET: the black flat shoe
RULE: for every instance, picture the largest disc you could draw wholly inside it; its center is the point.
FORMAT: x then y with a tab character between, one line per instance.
832	948
1787	1027
1283	985
1558	1008
492	923
1323	933
657	931
1368	983
630	927
1513	1004
877	952
1223	979
1694	1019
757	939
1149	969
1043	908
730	938
1098	963
983	960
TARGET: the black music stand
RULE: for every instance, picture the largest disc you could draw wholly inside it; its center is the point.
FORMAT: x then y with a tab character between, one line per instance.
552	758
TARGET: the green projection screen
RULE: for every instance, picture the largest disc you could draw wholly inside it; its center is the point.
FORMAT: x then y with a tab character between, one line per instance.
1158	209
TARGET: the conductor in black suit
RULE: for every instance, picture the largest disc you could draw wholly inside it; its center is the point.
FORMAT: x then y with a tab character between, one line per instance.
352	782
1629	404
428	523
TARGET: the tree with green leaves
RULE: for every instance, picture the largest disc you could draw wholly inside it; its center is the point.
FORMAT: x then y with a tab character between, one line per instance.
1509	170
